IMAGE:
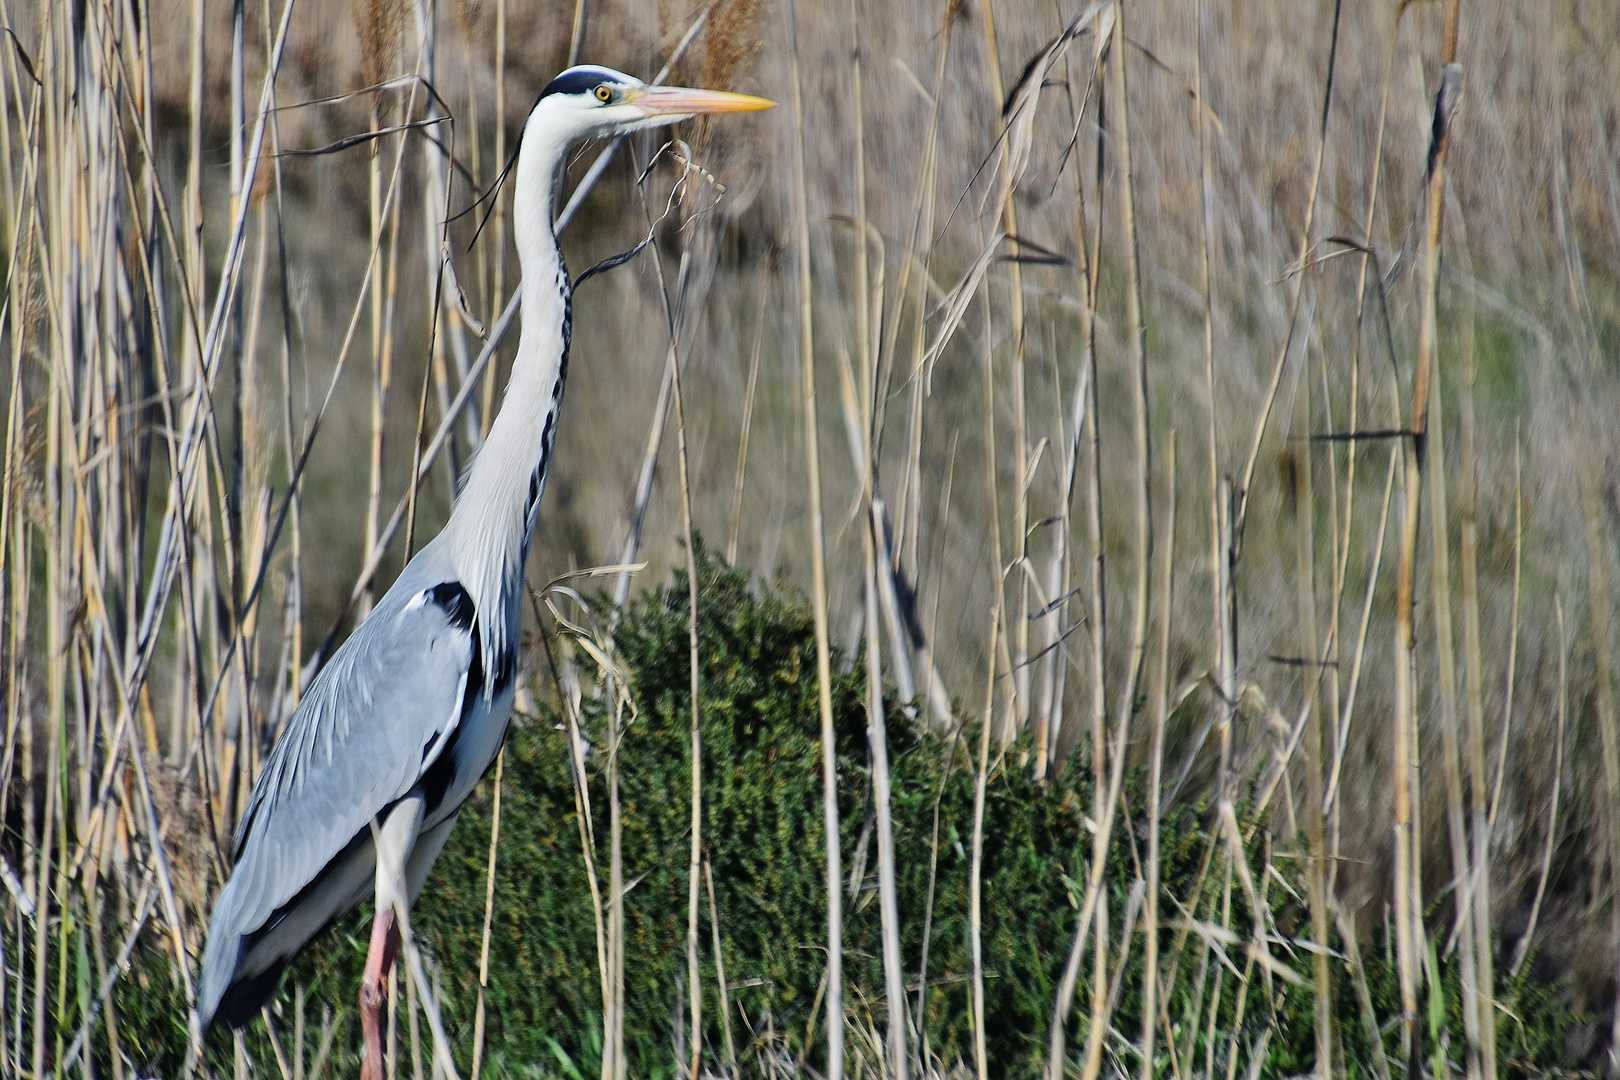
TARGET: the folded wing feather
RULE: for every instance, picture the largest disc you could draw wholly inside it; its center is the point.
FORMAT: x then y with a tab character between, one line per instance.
366	732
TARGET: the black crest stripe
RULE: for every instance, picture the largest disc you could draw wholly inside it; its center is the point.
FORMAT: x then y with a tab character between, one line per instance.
577	81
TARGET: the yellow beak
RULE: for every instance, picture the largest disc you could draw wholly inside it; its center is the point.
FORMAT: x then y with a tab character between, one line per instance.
681	101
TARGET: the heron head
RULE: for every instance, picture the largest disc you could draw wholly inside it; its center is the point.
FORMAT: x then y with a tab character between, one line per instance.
592	102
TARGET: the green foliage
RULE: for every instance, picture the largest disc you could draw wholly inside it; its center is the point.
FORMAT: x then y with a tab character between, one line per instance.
762	832
763	835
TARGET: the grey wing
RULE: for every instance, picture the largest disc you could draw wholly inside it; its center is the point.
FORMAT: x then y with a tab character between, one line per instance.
371	725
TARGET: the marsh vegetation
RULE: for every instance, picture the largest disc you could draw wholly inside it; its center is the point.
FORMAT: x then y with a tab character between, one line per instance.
1157	462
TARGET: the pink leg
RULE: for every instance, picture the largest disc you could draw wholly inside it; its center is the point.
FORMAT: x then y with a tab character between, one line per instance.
374	990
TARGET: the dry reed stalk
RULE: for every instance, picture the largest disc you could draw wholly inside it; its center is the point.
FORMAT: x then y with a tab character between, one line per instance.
92	898
1139	384
1225	710
1338	558
693	971
568	703
694	979
1340	536
1297	280
877	727
378	23
14	534
999	567
1369	1016
413	1029
391	1045
497	240
1445	655
293	635
424	457
142	910
950	761
1406	911
1349	711
253	473
489	915
171	907
863	270
576	40
379	373
42	860
1218	567
747	423
1238	861
655	435
720	970
417	975
384	361
1220	970
1018	716
193	445
976	867
239	743
1479	891
1409	901
1522	949
877	735
1190	1021
1161	716
928	909
1314	665
437	157
467	13
644	480
69	500
1513	630
1093	906
909	503
407	502
1355	391
1060	566
1598	570
1096	909
614	1066
1143	540
194	269
128	681
818	569
56	547
454	460
382	374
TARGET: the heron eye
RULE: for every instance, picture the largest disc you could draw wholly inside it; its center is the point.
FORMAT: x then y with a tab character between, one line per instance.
604	94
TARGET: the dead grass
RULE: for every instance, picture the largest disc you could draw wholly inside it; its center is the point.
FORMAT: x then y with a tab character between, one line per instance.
1025	268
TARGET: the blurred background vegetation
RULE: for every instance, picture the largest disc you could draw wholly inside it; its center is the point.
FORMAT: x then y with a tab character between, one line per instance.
184	335
763	809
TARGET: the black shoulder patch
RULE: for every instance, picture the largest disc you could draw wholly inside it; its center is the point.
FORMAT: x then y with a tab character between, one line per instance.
453	599
577	80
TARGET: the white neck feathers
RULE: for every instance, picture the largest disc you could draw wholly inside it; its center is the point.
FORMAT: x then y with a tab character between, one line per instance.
494	517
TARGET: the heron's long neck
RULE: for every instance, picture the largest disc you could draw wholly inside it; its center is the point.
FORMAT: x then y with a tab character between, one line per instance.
494	517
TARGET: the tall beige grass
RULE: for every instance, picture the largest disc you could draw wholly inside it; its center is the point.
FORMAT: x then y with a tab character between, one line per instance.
1301	239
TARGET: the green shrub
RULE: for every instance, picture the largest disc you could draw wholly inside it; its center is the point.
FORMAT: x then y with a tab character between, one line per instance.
762	832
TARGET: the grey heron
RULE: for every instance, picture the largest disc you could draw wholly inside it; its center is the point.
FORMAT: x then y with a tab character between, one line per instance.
367	779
